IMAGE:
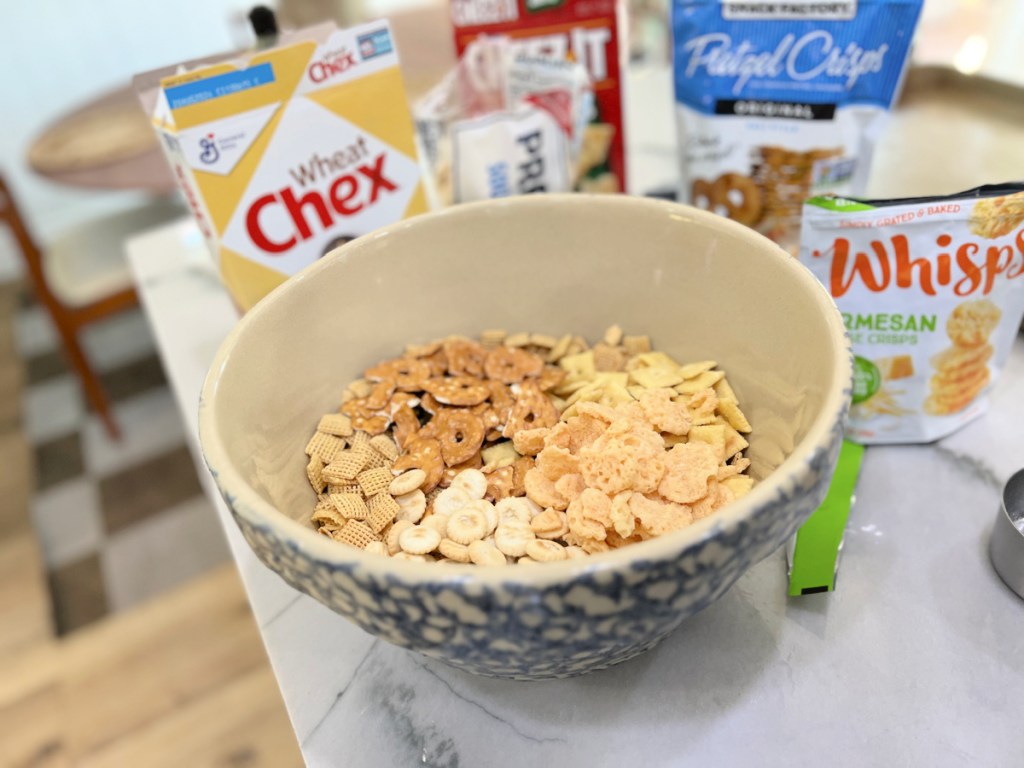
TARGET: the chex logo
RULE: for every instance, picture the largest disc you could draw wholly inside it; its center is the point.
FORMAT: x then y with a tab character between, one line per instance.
347	194
330	64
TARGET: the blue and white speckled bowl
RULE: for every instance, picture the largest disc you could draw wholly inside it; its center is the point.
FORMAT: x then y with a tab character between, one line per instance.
701	286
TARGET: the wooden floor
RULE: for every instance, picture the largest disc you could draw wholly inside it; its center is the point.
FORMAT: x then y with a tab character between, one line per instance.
180	681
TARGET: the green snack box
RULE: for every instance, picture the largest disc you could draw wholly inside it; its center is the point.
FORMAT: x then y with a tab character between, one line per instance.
813	554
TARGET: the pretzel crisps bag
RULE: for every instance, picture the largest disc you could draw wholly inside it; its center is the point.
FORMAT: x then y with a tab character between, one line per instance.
285	154
585	31
932	294
779	101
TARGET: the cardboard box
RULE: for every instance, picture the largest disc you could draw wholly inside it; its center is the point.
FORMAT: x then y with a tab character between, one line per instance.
286	153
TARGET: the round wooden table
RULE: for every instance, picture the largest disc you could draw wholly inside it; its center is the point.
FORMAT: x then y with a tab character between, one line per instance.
107	143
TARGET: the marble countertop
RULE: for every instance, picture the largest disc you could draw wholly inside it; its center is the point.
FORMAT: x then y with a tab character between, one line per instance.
916	659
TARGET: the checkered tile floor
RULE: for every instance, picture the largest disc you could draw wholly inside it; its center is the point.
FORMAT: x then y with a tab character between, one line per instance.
118	521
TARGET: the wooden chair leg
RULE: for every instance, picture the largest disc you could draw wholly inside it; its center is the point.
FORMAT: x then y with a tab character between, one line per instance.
90	381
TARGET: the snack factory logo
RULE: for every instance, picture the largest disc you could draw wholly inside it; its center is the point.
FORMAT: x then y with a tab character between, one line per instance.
209	153
326	187
831	10
331	63
970	267
809	57
469	13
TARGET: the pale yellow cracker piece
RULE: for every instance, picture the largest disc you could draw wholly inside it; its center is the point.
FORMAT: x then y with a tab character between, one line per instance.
407	482
327	514
493	337
734	441
419	540
588	394
484	553
360	388
701	381
350	506
391	539
561	347
543	340
734	415
517	339
501	454
613	336
714	435
383	509
724	391
512	537
454	551
550	524
613	394
580	365
436	521
412	506
656	378
337	424
740	485
376	548
412	558
467	525
623	519
652	360
636	345
691	370
374	460
347	487
325	446
384	446
374	481
636	391
360	442
345	467
355	533
315	473
545	551
608	358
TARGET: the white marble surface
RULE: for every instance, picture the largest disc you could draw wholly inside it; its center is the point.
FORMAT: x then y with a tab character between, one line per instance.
917	659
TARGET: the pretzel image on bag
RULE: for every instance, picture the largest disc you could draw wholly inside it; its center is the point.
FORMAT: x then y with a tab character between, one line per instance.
932	293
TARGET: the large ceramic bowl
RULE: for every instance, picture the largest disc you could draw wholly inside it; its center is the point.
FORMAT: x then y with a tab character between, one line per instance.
701	286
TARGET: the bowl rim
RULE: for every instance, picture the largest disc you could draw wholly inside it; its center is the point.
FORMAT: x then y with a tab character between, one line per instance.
246	503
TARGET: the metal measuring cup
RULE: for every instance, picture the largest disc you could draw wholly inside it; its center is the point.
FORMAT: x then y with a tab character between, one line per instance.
1007	545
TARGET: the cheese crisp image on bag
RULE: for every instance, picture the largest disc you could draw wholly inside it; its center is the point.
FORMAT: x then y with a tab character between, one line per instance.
286	153
931	290
779	101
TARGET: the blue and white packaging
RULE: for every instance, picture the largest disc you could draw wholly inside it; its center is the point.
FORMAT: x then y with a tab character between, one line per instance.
778	101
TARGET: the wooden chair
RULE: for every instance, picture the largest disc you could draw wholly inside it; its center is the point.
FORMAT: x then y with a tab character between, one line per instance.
83	277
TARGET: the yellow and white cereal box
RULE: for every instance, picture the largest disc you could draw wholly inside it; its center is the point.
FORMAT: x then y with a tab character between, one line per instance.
287	153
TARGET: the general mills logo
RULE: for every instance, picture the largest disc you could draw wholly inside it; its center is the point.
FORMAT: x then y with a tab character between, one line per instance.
210	153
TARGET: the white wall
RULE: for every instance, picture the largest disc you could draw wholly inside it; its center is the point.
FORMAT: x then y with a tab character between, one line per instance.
56	53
